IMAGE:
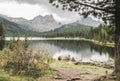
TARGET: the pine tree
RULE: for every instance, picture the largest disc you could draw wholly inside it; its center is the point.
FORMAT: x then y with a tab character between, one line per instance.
2	36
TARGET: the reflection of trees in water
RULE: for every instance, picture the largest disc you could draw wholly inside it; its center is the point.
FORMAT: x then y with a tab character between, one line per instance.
103	49
73	45
77	45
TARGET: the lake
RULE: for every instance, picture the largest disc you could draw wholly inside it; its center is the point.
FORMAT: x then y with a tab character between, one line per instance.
76	48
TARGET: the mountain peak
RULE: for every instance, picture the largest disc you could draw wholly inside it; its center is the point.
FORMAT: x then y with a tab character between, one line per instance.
89	21
49	18
43	19
37	17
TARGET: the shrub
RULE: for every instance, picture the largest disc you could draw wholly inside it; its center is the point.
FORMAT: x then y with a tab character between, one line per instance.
4	57
118	77
4	79
23	61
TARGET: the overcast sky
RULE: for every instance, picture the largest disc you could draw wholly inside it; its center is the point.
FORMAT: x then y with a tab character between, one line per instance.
30	8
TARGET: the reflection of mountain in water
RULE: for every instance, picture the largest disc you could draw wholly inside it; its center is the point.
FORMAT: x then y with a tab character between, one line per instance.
76	45
87	49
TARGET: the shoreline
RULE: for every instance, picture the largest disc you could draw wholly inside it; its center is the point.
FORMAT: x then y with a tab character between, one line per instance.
108	44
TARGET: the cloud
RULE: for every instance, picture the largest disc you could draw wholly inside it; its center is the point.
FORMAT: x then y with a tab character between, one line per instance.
41	7
21	10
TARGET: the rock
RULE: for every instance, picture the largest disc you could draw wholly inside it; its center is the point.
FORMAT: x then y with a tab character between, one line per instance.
106	78
77	63
102	78
108	65
69	58
78	60
64	58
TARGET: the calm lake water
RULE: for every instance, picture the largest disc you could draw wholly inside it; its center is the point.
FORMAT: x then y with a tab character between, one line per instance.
76	48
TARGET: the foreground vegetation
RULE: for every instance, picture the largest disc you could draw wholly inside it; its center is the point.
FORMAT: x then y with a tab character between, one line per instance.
19	60
62	71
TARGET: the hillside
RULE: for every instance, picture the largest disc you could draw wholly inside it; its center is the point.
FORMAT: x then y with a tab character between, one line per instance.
69	30
38	23
13	29
89	22
47	26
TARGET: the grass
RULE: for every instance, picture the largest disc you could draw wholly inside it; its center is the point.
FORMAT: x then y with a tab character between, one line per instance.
4	76
94	70
91	69
7	77
100	43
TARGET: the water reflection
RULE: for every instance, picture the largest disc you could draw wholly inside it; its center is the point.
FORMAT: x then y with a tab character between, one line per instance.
86	50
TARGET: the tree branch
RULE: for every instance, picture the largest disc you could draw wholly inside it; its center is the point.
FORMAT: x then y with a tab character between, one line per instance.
97	8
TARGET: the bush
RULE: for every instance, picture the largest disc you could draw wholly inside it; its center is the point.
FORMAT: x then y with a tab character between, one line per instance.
4	57
118	77
23	61
4	79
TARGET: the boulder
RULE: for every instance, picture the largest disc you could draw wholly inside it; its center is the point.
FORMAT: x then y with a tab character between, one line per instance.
69	58
64	57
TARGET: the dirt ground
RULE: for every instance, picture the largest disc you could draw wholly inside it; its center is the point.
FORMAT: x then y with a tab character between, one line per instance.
70	72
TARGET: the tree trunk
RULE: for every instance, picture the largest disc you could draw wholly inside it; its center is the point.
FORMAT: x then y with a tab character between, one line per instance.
117	37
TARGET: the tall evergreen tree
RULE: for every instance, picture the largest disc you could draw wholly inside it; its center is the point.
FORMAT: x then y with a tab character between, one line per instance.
2	36
108	10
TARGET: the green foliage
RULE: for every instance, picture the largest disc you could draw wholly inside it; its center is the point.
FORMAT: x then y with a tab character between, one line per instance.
103	33
70	30
96	8
23	61
118	77
11	45
2	36
12	29
4	79
4	56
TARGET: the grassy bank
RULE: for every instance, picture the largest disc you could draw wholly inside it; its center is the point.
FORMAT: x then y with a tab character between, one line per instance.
4	76
81	68
61	70
100	43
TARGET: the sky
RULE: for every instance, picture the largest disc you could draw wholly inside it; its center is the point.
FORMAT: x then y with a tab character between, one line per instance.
28	9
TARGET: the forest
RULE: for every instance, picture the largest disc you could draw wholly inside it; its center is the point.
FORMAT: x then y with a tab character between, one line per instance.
103	33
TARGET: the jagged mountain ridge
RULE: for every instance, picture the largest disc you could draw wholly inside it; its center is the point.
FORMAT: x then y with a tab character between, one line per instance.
38	24
13	29
67	29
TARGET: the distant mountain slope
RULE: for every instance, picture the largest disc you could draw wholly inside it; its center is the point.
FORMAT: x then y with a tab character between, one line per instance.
38	24
89	22
12	29
68	29
45	25
73	27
